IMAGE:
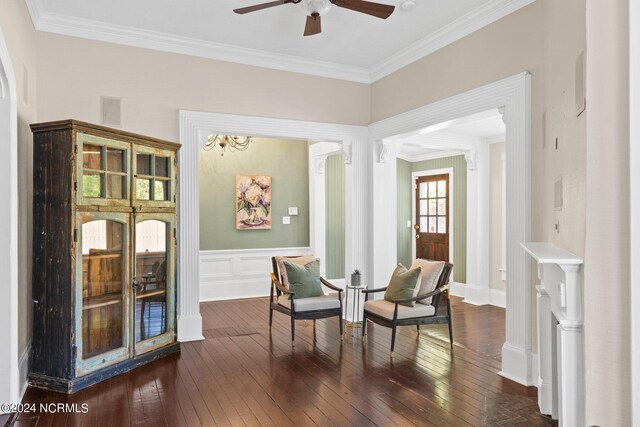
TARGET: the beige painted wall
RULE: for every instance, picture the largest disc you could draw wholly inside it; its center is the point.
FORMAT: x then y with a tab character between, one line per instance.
544	38
155	85
21	40
607	308
495	214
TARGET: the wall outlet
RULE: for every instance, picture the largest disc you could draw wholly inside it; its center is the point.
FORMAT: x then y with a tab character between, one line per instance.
293	211
286	220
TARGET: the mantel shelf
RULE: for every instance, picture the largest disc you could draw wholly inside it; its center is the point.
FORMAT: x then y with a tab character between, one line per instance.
548	253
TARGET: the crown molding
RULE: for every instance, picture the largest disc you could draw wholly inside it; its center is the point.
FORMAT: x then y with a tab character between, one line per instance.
461	27
129	36
495	139
155	40
430	156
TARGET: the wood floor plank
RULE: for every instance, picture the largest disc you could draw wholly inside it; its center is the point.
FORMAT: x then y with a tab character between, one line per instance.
247	374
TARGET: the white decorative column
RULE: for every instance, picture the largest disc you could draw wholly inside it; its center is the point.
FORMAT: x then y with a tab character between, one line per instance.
516	351
189	318
357	208
560	334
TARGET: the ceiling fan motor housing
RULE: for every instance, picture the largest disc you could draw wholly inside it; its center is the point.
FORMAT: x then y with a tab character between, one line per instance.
321	7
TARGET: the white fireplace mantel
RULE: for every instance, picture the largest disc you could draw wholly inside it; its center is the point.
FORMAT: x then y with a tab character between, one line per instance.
560	340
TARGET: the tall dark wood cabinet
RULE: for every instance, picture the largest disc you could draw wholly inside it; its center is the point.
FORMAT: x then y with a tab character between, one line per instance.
104	253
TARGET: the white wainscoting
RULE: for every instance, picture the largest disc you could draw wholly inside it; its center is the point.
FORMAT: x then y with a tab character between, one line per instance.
479	295
239	273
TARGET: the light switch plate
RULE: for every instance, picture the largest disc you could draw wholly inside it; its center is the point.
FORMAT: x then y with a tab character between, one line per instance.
293	211
286	220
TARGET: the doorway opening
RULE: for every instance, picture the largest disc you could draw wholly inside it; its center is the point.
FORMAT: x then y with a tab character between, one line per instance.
512	98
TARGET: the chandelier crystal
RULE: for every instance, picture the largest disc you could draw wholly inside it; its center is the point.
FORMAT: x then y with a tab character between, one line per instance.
233	143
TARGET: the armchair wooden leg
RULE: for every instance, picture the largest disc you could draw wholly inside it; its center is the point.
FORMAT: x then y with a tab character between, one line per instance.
341	329
293	330
270	314
418	328
450	323
393	338
364	326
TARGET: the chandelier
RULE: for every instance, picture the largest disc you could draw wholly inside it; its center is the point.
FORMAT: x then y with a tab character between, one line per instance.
234	143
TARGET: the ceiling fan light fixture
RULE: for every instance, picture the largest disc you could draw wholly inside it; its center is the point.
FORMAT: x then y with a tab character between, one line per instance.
321	7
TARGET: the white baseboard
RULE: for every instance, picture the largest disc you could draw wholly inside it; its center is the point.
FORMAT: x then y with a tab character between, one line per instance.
239	273
517	365
23	369
479	295
190	328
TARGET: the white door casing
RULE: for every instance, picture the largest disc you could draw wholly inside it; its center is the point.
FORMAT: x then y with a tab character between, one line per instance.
10	388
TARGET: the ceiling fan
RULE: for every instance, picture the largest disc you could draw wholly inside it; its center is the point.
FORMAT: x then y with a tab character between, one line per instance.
316	8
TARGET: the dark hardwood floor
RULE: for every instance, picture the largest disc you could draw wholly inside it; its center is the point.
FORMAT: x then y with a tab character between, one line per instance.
242	374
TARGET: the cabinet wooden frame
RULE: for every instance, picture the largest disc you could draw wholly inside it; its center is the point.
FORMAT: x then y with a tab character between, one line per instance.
152	177
82	141
67	354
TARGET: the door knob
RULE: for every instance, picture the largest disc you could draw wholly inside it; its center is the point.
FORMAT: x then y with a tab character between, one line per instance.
416	227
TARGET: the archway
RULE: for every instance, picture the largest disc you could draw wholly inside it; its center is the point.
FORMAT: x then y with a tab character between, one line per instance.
9	369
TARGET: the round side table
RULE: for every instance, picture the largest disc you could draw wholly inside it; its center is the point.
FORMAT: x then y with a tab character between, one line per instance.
356	310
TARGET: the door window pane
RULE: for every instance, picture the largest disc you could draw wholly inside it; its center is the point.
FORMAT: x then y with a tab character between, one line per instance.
162	168
442	188
151	274
442	225
423	224
115	187
160	192
423	207
91	185
442	206
143	187
91	156
115	160
432	224
143	164
432	189
423	190
102	287
432	207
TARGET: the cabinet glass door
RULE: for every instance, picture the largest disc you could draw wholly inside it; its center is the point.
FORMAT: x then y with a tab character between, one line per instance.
154	281
154	177
103	171
102	257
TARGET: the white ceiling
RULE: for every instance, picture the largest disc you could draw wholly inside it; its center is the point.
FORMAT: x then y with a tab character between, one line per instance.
454	136
352	45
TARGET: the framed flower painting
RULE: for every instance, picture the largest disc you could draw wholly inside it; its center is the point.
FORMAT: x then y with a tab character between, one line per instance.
253	202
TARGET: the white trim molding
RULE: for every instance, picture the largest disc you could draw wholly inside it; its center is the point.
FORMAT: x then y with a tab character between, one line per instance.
514	94
23	368
239	273
634	199
10	388
74	26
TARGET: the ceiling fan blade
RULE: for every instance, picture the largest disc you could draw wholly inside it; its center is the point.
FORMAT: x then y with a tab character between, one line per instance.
255	7
313	25
378	10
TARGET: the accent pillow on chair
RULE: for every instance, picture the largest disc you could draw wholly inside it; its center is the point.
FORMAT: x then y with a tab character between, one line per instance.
300	260
431	271
403	284
304	280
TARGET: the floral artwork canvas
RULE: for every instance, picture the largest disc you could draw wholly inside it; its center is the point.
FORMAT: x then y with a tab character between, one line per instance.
253	202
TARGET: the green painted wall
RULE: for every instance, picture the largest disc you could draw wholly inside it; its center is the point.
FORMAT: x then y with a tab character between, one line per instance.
287	163
404	212
405	189
334	211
